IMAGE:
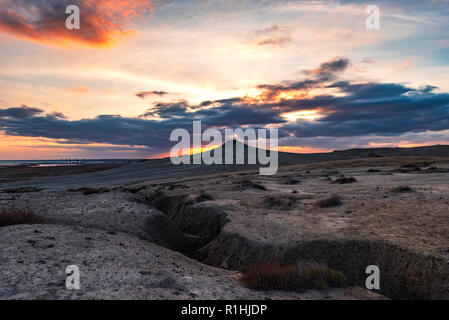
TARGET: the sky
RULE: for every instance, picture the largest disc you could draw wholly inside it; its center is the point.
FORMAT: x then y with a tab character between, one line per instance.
137	70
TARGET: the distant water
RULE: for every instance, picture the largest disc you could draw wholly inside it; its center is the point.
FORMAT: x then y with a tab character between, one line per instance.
65	162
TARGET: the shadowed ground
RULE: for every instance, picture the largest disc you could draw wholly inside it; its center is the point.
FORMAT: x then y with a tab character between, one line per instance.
391	211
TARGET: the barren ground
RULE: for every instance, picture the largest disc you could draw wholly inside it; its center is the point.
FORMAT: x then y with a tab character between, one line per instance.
214	224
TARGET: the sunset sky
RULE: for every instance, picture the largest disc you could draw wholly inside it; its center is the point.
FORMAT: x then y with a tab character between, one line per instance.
136	70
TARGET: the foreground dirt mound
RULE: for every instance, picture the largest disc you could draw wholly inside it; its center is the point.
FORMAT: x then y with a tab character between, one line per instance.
117	266
405	234
211	219
114	211
112	266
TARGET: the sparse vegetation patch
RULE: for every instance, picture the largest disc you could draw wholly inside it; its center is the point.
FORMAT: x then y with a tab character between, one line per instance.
292	181
437	170
280	201
272	276
22	190
13	216
402	189
344	180
333	201
89	191
248	184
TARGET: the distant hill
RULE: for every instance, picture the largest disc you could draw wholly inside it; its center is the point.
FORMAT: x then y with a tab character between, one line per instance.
287	158
437	150
163	168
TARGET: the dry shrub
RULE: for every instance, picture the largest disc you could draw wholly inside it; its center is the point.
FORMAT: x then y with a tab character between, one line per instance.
12	216
272	276
248	184
22	190
333	201
89	191
437	170
411	167
401	189
291	181
136	190
280	201
345	180
417	164
331	173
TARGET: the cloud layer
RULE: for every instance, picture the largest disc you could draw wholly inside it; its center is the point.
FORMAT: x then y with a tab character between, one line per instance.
348	109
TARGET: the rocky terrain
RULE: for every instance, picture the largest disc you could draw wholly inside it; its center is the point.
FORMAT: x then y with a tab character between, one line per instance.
397	221
188	236
121	247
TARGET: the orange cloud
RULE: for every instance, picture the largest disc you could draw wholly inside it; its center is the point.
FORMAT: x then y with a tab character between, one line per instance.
102	21
406	64
274	36
80	89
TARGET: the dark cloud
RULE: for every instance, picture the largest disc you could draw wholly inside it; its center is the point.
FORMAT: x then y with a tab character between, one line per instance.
373	108
328	70
20	112
226	112
427	89
237	116
57	115
319	77
361	108
336	65
222	101
372	90
272	90
154	134
167	110
275	35
145	94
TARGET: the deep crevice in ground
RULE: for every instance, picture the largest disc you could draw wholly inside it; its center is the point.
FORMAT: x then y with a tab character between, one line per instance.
404	274
199	224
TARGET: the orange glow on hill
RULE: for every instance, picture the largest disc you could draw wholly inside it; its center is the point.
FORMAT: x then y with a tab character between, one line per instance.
293	149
